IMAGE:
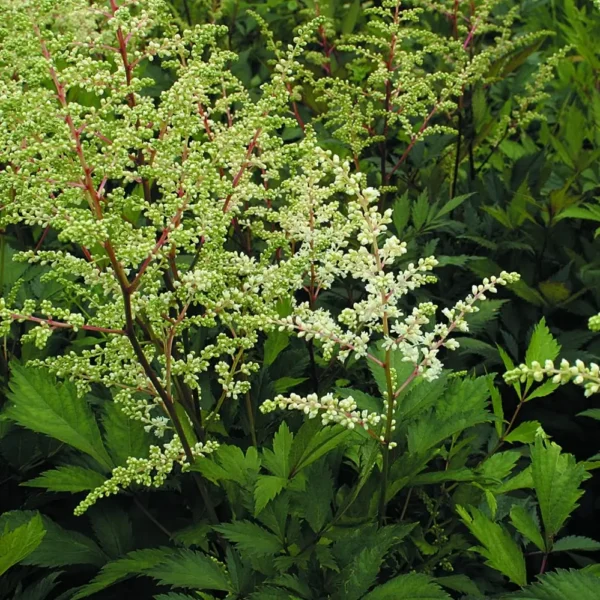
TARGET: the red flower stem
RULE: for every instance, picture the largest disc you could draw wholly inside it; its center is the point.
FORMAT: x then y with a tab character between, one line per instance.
60	325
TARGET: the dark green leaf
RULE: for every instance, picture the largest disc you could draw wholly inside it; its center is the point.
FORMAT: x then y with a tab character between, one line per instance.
350	18
138	562
267	488
542	346
113	529
526	525
251	539
276	342
575	543
524	433
401	213
42	405
278	460
68	478
556	478
20	542
194	570
412	586
123	435
500	550
561	585
592	413
452	204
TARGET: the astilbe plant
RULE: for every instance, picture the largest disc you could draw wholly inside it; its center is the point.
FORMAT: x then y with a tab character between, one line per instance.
587	376
410	76
178	231
183	215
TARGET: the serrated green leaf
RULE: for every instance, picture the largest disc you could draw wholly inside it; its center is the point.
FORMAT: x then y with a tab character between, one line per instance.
463	405
68	478
190	569
401	213
60	547
497	546
542	346
556	479
420	210
592	413
278	460
240	572
498	409
351	17
422	396
251	539
64	547
575	543
541	391
138	562
560	585
18	543
462	474
522	480
318	496
588	212
487	313
275	515
500	465
459	583
317	442
196	534
452	204
526	525
229	463
283	384
293	583
124	436
275	344
508	362
267	488
366	556
40	404
112	528
41	589
524	433
412	586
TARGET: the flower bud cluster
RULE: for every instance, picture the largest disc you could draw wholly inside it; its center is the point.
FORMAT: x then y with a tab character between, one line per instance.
149	472
343	411
578	373
142	194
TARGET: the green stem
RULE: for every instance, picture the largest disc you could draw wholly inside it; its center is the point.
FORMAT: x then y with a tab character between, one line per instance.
387	435
250	412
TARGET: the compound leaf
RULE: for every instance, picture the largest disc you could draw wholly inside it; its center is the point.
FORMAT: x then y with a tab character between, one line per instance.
39	403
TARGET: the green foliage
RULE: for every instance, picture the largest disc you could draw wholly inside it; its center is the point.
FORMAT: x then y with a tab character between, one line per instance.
203	221
18	543
413	586
192	570
251	539
556	479
498	547
69	478
542	345
133	563
561	585
42	406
